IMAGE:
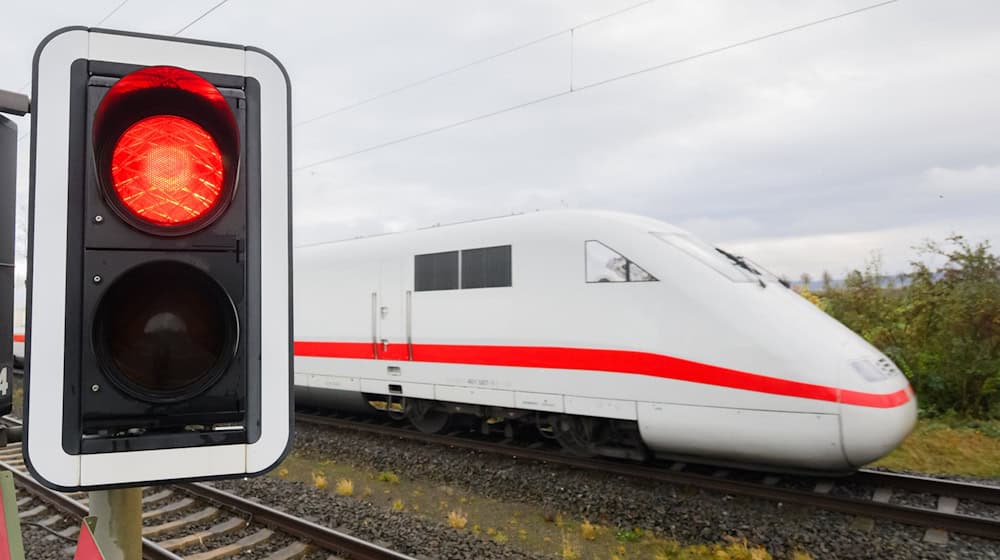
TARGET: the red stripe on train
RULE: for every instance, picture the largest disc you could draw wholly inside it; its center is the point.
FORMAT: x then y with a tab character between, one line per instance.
18	338
619	361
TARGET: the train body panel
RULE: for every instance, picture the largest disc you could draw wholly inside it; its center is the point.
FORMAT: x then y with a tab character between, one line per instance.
18	336
707	358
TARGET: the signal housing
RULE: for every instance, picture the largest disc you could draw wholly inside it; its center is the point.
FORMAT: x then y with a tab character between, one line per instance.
148	358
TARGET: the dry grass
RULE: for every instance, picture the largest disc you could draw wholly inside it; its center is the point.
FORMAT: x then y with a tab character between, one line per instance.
569	550
319	480
457	519
736	549
345	487
949	447
539	530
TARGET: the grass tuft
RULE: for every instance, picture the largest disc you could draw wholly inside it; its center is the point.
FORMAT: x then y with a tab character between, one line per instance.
345	487
629	535
319	480
457	519
388	476
569	550
588	530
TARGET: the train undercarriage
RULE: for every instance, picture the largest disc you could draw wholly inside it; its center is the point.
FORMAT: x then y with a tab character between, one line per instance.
585	436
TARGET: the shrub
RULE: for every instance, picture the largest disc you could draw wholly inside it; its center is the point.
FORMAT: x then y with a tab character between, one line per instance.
940	325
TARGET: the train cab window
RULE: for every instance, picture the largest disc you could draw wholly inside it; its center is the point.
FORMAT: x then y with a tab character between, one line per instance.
436	271
488	267
604	264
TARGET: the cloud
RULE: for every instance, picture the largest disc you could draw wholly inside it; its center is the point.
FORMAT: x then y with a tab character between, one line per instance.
813	147
839	253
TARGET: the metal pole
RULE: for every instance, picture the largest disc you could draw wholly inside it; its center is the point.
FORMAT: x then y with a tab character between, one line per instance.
119	522
14	103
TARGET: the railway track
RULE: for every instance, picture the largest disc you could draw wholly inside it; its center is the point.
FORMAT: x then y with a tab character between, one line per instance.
870	494
197	522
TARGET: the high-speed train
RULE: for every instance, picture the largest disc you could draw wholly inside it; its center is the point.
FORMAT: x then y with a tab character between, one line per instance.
611	333
614	334
18	337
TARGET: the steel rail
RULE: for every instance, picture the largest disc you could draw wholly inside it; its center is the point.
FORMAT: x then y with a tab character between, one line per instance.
328	539
953	522
324	537
929	485
69	506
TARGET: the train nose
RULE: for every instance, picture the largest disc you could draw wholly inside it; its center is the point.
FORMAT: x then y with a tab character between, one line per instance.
878	409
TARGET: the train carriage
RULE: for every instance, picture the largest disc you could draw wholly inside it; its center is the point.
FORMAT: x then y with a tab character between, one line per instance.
615	334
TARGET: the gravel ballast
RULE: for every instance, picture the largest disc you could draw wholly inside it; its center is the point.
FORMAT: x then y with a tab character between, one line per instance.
682	513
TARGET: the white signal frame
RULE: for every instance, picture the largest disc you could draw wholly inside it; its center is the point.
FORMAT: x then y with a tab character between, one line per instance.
44	345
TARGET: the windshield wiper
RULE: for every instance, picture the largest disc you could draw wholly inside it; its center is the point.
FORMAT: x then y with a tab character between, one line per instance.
739	261
742	263
754	268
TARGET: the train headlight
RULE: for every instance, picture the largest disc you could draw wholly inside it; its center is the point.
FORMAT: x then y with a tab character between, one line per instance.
875	371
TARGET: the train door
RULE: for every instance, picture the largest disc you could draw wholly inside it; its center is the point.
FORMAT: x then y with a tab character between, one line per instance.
391	312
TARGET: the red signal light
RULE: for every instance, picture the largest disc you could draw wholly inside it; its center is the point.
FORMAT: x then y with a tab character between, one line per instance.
167	149
167	170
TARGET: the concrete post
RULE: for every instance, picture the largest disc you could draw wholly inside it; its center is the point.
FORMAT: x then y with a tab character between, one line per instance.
119	522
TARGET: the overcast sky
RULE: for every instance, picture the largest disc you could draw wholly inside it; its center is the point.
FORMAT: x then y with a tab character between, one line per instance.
807	151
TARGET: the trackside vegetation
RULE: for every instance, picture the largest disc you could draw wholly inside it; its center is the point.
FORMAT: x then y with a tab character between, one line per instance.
940	323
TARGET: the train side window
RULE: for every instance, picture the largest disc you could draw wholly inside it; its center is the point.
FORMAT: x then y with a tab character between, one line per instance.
488	267
604	264
638	274
436	271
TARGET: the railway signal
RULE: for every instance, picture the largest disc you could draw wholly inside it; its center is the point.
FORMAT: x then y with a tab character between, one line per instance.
159	323
8	176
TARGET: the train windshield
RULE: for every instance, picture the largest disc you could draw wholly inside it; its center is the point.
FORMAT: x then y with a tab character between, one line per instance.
765	274
727	265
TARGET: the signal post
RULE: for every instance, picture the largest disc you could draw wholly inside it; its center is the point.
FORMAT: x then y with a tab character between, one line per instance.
8	177
14	104
158	342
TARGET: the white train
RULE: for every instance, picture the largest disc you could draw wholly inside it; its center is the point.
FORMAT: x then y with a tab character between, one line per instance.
18	336
614	334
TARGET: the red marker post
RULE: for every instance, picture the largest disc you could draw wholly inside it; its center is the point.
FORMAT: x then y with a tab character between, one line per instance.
11	546
86	547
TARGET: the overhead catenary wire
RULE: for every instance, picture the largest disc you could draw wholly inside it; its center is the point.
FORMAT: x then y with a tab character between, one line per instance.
199	18
111	13
470	64
115	10
592	85
99	22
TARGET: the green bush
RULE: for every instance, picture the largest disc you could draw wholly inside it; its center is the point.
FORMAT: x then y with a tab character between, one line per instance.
942	327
